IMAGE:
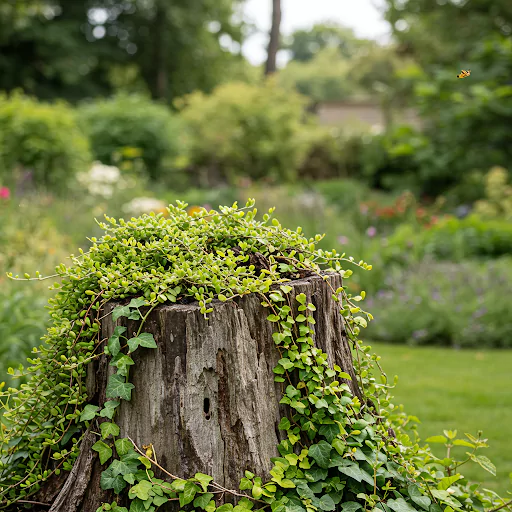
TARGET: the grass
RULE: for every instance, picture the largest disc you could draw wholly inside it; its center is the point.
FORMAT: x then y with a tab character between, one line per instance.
465	390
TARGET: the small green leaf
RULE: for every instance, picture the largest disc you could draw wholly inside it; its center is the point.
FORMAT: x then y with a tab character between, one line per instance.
437	439
109	429
483	461
321	453
109	408
447	482
418	497
203	480
117	387
119	312
203	500
146	462
89	412
104	450
141	490
123	446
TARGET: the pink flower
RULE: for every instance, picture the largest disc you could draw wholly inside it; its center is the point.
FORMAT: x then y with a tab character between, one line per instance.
343	240
371	231
5	193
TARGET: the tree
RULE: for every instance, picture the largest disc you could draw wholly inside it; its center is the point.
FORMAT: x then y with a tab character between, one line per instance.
444	33
305	44
71	48
273	44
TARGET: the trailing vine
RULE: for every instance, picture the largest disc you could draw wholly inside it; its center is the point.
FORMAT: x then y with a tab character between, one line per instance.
362	454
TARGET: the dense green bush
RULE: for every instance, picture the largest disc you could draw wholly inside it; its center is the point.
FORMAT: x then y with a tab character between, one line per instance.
23	321
242	130
41	138
132	121
445	303
452	239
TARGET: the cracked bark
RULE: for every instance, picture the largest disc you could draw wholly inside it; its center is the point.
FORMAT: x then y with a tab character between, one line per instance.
206	397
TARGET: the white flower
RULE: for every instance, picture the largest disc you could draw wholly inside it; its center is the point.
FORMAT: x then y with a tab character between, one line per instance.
100	179
140	205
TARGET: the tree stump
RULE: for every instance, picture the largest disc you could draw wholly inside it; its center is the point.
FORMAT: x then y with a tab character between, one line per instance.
206	397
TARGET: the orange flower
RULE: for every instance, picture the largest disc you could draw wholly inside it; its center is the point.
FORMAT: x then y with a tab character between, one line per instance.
194	209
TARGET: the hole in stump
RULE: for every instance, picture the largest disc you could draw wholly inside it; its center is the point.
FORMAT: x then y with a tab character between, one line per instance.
206	408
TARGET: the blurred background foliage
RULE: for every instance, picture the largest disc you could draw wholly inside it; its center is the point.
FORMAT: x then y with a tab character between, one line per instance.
121	107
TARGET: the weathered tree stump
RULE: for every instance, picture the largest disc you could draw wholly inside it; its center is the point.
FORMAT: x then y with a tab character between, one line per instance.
206	397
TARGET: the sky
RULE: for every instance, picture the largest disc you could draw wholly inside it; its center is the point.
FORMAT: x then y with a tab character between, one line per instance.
361	15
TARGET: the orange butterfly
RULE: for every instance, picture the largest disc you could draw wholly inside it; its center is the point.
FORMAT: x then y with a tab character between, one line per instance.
464	73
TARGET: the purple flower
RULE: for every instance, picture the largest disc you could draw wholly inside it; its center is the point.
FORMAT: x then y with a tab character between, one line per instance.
371	231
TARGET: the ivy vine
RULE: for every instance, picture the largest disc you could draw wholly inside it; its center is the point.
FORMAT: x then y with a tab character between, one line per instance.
362	454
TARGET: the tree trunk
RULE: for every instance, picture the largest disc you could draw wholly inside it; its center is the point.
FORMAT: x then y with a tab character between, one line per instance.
206	397
273	44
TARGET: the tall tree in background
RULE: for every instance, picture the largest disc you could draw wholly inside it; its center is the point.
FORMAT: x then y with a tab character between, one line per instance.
70	48
274	41
305	44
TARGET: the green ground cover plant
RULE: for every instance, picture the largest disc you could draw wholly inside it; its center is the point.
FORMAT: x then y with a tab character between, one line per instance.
357	453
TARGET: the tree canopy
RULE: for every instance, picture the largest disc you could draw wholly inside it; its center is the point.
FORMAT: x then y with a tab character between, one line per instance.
79	48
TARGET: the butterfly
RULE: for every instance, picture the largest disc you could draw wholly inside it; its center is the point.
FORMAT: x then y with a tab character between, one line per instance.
464	73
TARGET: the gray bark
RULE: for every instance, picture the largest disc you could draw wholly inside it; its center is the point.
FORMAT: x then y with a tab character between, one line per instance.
206	397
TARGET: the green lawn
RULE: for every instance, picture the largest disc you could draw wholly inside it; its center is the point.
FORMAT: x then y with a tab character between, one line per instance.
453	389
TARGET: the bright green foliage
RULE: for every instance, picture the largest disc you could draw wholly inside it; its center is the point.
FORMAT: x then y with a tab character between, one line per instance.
340	448
452	239
135	122
243	130
43	138
498	196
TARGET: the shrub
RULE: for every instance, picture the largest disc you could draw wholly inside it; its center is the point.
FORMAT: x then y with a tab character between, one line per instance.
149	129
23	321
242	130
498	196
40	138
452	239
445	303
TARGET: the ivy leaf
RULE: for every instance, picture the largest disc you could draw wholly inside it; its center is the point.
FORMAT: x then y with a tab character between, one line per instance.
418	497
141	490
227	507
351	470
284	424
114	345
117	387
137	303
123	364
104	451
130	478
189	491
89	412
321	453
146	462
109	409
160	500
203	500
109	481
400	505
326	503
204	480
483	461
108	429
119	312
120	467
316	474
350	506
339	446
144	339
329	431
137	506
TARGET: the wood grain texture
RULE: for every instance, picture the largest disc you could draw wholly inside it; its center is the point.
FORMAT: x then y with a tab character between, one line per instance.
206	397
